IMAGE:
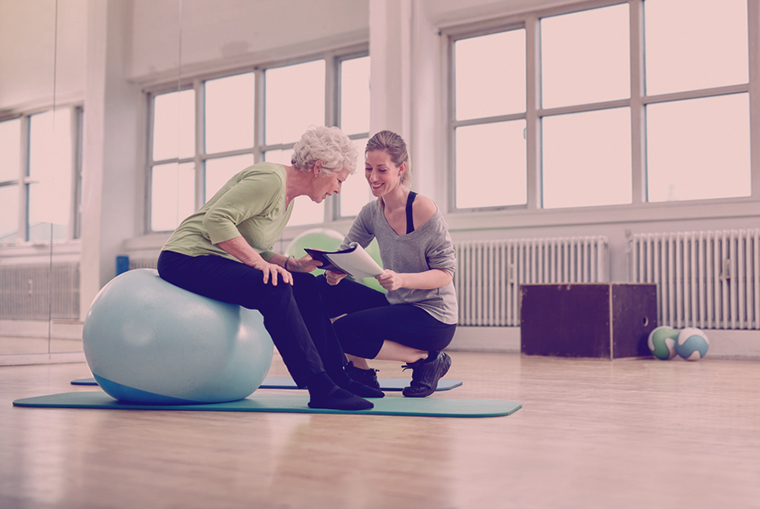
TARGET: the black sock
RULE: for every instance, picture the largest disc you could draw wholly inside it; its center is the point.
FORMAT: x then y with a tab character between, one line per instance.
325	394
320	384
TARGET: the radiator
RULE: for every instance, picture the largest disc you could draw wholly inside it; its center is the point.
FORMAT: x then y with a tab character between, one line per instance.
705	279
490	273
143	263
39	292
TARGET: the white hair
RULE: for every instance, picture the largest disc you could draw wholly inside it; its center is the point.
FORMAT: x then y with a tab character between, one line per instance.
328	146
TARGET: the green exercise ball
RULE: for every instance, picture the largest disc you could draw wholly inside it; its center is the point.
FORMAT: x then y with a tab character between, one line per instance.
317	238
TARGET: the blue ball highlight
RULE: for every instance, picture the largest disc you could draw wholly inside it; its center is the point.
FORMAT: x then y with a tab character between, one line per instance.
147	341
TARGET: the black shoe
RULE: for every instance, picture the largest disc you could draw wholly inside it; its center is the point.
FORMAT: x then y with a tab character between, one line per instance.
343	381
425	375
367	377
340	399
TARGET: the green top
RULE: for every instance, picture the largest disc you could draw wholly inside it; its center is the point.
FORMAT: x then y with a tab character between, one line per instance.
251	204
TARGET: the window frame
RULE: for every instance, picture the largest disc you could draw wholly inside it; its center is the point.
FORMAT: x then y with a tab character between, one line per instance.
332	59
637	102
23	180
337	111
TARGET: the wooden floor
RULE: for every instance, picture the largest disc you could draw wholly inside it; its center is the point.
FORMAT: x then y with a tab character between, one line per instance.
628	433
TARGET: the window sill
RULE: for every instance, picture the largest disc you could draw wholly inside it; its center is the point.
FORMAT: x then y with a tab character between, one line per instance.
28	252
621	214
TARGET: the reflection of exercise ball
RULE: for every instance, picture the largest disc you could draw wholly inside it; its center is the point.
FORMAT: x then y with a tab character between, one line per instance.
148	341
317	238
374	251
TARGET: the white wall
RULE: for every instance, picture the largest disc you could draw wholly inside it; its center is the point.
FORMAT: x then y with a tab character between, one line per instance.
237	32
27	49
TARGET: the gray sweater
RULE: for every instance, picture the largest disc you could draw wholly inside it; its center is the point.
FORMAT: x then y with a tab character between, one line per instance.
427	247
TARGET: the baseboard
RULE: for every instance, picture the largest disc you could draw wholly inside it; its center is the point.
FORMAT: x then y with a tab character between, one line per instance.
724	344
58	329
486	339
41	358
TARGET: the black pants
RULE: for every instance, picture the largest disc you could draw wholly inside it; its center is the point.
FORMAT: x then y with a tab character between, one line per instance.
293	315
371	320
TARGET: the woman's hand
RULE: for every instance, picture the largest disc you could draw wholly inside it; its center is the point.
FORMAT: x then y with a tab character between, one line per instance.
240	249
303	264
390	280
271	270
333	278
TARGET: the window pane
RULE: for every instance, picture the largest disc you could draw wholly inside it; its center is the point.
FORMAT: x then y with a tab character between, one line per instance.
490	75
229	113
695	44
279	156
585	57
698	149
173	195
354	95
10	148
305	211
174	125
587	159
295	100
50	169
219	171
8	215
491	165
355	193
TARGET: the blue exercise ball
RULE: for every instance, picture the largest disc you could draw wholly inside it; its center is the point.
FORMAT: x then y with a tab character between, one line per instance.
692	344
150	342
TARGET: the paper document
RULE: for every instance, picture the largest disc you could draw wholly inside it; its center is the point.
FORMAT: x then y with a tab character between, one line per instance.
353	260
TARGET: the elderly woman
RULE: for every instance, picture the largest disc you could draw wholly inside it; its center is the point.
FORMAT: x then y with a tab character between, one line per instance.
417	317
224	251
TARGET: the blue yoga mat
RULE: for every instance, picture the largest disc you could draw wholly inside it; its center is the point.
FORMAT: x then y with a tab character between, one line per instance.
289	403
285	382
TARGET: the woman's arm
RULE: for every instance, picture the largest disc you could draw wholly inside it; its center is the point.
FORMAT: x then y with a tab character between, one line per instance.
428	280
292	264
241	250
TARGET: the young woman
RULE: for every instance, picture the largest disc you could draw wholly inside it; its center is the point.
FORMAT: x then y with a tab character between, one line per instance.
417	316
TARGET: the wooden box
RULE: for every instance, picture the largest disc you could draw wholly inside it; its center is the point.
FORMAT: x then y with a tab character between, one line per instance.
602	320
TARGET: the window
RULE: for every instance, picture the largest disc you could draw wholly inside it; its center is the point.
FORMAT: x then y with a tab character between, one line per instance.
194	154
698	148
354	121
666	79
585	57
587	158
295	99
10	176
39	176
698	144
489	129
172	172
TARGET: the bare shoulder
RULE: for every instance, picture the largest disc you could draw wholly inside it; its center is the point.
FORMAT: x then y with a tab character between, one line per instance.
423	209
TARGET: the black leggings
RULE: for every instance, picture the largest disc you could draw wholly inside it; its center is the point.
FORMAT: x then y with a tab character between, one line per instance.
293	315
371	320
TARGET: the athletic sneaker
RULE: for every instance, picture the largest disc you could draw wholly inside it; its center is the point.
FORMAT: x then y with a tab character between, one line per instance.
426	373
367	377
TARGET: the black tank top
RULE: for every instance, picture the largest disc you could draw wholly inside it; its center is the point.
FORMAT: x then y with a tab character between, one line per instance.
409	216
